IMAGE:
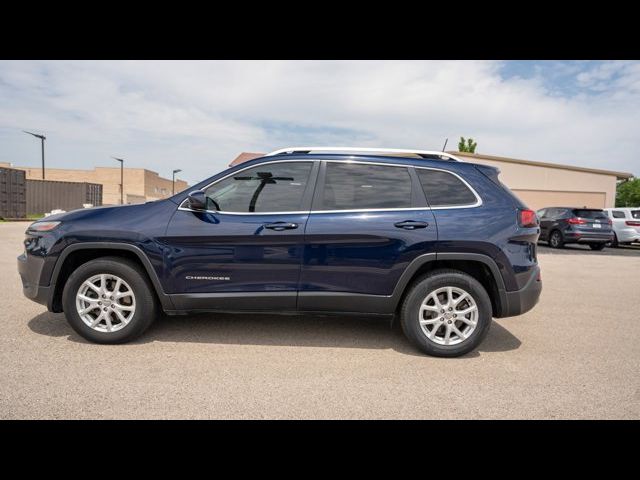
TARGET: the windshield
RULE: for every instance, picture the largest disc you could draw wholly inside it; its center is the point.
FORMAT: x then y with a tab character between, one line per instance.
635	213
585	213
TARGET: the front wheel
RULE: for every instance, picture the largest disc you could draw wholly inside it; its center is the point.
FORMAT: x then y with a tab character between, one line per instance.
109	300
597	246
447	313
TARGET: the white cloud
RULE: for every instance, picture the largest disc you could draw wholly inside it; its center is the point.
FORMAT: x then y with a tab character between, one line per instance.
198	115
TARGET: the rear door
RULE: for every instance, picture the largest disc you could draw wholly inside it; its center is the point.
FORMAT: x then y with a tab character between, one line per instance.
544	222
368	222
618	219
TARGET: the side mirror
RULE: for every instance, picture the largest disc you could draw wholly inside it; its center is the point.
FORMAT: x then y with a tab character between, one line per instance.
197	200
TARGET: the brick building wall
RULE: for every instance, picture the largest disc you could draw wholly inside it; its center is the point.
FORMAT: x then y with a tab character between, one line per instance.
140	185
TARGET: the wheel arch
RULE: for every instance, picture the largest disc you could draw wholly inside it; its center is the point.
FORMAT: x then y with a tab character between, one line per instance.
77	254
481	267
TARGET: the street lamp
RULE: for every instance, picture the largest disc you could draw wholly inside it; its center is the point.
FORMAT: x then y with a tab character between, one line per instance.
173	181
121	179
42	139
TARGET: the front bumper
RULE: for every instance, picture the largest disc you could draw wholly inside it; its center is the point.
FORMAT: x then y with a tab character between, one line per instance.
30	269
523	300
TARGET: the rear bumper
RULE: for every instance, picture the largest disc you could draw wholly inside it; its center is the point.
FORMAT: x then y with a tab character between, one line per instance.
30	269
587	237
523	300
628	235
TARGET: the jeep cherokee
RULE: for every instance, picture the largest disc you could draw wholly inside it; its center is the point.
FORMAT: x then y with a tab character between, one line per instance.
421	236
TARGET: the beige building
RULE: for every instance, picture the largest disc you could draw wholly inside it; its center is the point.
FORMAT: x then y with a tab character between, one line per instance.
541	184
140	185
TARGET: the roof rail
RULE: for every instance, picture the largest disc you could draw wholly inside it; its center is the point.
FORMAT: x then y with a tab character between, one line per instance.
431	154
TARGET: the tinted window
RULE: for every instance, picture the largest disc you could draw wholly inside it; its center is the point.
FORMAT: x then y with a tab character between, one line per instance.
541	213
276	187
584	213
444	189
635	213
553	213
617	214
359	186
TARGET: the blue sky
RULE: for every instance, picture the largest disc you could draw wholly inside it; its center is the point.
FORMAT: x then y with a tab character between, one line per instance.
198	115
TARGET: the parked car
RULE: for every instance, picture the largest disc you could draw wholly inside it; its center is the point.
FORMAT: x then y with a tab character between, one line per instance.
626	225
562	225
422	236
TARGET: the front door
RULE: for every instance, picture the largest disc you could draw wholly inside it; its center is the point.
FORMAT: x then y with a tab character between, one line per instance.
368	223
245	251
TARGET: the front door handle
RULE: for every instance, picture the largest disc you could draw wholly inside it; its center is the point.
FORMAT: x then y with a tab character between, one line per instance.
411	225
279	226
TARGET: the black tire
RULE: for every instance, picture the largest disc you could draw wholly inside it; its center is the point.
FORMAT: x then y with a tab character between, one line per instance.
597	246
555	239
614	242
145	309
421	288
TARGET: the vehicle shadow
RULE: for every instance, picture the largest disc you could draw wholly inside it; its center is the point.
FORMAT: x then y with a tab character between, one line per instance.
277	330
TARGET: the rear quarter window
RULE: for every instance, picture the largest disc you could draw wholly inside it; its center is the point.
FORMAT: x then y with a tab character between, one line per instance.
443	189
617	214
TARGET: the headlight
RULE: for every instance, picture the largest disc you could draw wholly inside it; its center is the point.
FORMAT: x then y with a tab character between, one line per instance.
43	226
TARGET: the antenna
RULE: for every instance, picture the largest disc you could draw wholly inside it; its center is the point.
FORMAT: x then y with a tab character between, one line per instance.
445	143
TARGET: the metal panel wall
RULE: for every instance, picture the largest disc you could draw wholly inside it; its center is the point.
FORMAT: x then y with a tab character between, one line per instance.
12	193
46	195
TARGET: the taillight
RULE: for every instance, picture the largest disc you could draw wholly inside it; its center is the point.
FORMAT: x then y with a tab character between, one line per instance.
631	223
527	218
576	221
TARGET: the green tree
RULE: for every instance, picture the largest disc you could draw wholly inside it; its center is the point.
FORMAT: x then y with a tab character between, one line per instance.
628	193
467	145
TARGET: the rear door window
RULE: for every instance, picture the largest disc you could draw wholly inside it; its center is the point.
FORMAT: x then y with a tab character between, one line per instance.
355	186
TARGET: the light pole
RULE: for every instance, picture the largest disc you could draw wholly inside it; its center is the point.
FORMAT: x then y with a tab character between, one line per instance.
173	181
42	139
121	160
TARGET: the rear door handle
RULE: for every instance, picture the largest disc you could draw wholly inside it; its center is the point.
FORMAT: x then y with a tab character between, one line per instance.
411	225
279	226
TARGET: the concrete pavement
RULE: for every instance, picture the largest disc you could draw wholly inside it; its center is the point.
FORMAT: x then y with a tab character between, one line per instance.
576	355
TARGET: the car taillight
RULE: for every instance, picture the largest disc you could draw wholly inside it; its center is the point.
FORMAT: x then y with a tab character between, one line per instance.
631	223
527	218
576	221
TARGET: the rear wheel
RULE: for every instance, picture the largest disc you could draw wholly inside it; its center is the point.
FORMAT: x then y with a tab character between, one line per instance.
597	246
109	300
614	242
446	313
555	240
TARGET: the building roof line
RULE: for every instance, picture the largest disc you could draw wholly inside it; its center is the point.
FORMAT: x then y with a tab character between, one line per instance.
619	175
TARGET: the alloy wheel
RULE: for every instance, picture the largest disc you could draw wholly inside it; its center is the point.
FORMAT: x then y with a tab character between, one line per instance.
448	316
105	303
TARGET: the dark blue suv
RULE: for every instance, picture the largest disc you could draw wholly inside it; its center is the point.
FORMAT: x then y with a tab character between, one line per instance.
439	243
